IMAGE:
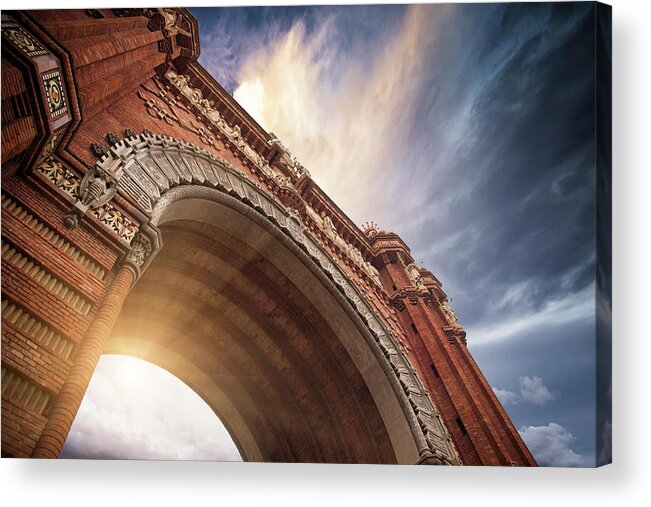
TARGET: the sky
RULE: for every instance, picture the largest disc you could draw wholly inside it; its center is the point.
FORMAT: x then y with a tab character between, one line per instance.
469	131
136	410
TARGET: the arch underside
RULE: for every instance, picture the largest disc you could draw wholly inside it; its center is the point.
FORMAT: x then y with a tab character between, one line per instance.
212	301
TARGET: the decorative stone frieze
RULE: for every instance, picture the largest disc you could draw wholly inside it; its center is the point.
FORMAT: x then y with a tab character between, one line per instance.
95	190
449	312
324	222
455	335
233	133
93	193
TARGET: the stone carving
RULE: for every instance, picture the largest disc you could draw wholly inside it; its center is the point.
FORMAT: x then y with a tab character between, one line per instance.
328	227
324	222
52	144
370	229
60	176
116	221
92	193
274	139
297	169
449	312
140	251
172	19
279	178
97	150
96	189
111	138
289	160
231	133
415	276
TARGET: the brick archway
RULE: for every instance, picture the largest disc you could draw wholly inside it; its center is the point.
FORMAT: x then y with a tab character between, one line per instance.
341	389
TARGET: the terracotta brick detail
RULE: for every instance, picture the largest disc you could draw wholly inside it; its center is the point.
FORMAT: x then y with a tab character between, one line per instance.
67	403
20	429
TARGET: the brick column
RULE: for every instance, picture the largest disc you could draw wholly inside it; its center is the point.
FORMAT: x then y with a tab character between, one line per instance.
67	403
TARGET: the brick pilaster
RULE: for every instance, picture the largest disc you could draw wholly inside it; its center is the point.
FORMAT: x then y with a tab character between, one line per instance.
67	403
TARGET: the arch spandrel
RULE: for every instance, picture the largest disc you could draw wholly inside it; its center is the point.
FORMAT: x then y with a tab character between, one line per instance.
168	179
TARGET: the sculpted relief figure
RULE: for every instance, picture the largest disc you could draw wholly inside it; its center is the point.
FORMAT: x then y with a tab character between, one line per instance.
171	19
414	275
449	312
328	227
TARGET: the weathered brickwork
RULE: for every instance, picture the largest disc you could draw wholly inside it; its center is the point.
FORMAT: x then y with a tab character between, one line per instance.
84	191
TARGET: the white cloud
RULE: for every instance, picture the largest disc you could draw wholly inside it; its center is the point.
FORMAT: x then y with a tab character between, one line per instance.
550	445
505	396
135	410
534	391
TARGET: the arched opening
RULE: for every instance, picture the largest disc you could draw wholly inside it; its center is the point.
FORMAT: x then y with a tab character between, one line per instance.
230	308
134	409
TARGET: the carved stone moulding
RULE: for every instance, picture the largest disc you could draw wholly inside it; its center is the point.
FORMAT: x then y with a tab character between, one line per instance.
233	133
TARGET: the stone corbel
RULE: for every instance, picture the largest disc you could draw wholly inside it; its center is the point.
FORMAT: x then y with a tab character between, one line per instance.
144	247
96	189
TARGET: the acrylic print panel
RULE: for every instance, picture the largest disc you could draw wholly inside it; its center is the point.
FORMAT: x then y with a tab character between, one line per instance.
341	234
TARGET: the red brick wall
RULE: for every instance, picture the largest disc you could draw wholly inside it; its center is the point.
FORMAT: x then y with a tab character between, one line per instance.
53	281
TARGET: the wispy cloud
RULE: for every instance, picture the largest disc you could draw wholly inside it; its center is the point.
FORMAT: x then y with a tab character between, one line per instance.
344	111
534	391
568	308
505	396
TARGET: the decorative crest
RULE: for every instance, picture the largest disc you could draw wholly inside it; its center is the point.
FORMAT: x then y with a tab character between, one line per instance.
96	189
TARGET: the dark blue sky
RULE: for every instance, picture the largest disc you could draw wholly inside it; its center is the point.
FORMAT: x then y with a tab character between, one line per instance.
481	155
